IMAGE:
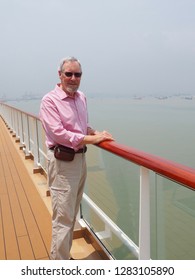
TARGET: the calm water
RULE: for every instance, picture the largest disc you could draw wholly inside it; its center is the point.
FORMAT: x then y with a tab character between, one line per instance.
162	127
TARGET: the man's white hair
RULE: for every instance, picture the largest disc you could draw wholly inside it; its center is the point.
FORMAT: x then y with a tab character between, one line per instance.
68	59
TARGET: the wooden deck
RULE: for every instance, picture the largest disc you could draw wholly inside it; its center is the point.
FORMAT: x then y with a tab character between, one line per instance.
25	222
25	214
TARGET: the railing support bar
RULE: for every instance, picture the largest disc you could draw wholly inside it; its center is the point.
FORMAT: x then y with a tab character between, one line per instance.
144	215
114	228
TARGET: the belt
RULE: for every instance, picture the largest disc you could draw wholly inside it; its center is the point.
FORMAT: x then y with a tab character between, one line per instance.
80	151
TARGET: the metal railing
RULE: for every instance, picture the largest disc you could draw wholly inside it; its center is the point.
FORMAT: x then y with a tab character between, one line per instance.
28	131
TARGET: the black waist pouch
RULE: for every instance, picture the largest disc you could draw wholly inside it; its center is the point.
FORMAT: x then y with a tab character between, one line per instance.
64	153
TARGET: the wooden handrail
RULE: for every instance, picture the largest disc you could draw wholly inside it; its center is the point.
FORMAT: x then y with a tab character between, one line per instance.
177	172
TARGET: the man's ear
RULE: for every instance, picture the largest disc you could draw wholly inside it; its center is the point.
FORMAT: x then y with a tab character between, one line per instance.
59	73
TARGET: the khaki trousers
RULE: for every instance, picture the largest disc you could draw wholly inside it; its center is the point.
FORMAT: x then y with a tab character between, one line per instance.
66	182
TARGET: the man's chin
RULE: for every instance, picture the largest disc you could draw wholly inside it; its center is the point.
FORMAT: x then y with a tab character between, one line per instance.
72	89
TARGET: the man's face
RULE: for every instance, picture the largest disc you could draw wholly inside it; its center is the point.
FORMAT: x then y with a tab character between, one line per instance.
70	77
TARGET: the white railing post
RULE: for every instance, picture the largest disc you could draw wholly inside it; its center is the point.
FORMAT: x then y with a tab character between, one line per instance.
144	215
26	148
35	144
21	130
18	126
12	126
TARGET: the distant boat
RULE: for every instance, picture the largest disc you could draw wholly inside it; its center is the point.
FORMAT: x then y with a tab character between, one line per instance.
162	97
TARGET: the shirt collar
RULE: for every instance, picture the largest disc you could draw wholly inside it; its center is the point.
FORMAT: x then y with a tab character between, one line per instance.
62	94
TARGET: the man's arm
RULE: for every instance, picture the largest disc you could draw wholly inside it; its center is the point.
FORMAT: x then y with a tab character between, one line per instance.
96	137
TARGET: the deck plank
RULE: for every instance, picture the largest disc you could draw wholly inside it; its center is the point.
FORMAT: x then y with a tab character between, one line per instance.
2	243
17	214
11	244
25	248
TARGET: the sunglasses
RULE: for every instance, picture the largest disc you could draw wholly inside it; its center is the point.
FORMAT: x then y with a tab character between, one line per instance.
70	74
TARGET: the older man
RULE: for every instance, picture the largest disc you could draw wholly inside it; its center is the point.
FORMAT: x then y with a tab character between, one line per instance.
64	116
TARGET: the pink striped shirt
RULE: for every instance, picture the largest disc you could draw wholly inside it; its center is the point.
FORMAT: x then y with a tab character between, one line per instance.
64	119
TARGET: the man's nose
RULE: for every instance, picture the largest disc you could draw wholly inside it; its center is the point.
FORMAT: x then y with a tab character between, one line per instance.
73	77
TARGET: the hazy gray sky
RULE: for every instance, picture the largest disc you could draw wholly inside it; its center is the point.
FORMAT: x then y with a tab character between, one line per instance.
126	47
